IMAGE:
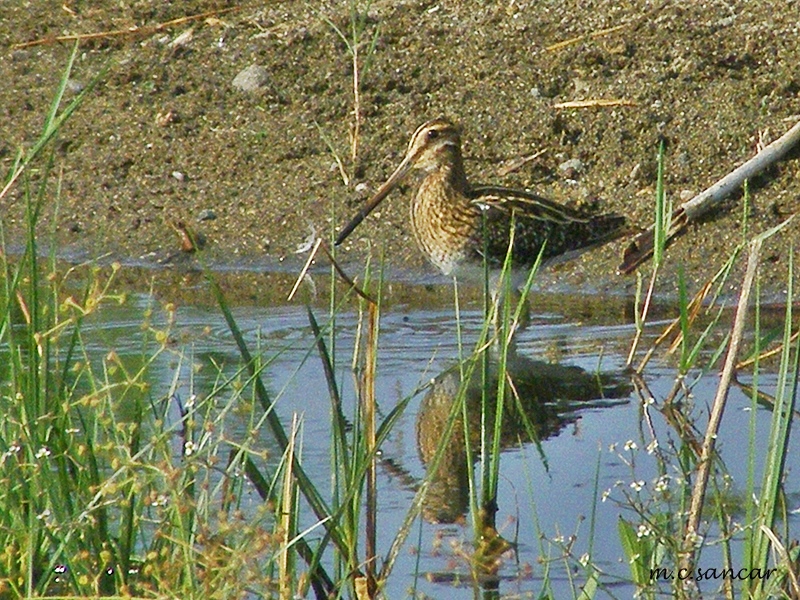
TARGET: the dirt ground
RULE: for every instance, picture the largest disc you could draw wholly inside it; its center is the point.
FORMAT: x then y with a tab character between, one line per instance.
167	135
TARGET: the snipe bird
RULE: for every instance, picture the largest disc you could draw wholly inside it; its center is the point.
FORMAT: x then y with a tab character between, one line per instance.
447	213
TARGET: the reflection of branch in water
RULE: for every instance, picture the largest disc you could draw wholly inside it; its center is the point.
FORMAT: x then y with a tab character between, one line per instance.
545	399
671	409
764	399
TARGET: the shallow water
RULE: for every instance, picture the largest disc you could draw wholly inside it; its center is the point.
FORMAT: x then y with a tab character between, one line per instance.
548	492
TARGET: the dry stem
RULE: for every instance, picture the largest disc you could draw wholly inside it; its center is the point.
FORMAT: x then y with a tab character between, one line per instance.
717	408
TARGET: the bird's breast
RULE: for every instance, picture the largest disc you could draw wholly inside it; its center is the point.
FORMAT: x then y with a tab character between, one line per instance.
444	224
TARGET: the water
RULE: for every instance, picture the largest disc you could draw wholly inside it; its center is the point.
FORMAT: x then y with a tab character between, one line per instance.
548	492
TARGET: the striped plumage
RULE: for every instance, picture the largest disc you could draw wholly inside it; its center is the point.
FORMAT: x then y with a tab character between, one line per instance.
447	214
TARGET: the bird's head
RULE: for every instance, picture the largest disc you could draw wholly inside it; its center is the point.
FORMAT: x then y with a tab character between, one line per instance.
434	144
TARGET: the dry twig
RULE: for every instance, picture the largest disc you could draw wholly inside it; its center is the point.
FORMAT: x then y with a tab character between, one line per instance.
717	408
132	31
595	103
634	25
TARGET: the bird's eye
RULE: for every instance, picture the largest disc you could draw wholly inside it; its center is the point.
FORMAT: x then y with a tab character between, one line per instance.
433	134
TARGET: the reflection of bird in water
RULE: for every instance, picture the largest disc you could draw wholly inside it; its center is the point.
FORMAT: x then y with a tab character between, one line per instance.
548	397
459	226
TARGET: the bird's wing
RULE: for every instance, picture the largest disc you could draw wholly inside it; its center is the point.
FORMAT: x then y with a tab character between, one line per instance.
524	205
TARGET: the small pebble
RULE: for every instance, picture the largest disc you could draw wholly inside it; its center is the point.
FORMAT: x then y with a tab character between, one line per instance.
573	165
183	39
581	85
178	175
75	86
165	118
252	79
207	215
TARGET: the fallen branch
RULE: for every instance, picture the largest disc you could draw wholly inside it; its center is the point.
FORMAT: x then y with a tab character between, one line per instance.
641	248
580	38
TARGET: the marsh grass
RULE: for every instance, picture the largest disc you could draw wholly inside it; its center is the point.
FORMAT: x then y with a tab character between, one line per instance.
679	517
110	486
663	212
770	510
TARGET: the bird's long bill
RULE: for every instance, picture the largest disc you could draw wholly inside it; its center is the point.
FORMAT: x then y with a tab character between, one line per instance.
382	192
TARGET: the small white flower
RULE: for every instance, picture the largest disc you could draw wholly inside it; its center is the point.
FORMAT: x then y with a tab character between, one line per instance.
643	531
630	445
662	483
695	539
42	452
12	450
612	447
44	514
584	559
637	486
652	446
604	496
189	448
